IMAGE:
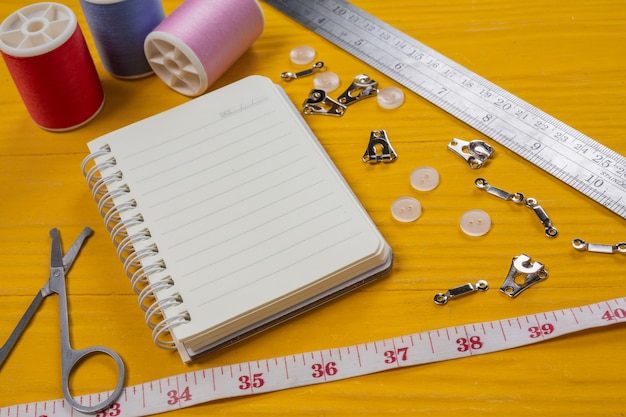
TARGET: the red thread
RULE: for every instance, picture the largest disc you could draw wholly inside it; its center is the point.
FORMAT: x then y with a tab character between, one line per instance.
61	88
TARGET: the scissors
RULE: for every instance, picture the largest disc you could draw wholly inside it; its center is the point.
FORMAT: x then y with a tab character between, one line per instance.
70	358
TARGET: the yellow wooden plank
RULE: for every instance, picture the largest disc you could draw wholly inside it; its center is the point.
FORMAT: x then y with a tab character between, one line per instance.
566	57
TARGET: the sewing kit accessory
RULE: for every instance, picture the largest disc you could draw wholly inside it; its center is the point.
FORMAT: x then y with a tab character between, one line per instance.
46	54
390	97
443	298
362	87
521	266
475	222
379	148
119	29
474	152
406	209
59	265
531	133
200	40
318	102
519	198
302	55
288	76
327	81
599	247
328	365
424	178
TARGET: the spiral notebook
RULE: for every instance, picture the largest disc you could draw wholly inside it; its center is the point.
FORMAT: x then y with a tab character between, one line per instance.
229	217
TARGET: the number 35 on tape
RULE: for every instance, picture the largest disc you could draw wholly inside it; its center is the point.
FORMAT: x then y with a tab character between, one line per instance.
187	389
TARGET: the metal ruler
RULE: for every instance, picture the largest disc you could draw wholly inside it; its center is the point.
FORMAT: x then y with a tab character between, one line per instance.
576	159
262	376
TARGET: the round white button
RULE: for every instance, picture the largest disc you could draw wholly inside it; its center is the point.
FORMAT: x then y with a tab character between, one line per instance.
327	81
390	97
406	209
424	178
475	222
301	55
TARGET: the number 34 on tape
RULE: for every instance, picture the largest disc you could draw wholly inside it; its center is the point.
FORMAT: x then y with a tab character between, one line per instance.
196	387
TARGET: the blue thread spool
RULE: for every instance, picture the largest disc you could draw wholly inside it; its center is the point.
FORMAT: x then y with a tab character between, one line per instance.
119	28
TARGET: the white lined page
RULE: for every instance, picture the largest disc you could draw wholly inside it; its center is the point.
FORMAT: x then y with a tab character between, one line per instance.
245	206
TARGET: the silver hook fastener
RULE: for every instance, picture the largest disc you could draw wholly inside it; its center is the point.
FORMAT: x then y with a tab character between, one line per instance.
379	149
474	152
442	298
533	273
498	192
319	103
362	87
551	231
599	247
288	76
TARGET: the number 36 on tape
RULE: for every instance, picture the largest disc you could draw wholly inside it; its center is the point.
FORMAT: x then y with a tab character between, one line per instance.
196	387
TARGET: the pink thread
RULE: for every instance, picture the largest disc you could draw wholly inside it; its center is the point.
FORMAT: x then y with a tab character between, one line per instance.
217	32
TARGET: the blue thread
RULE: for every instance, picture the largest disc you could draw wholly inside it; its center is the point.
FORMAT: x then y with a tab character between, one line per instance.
119	30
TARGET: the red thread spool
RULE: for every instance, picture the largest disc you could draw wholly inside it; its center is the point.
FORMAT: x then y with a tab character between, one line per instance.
49	61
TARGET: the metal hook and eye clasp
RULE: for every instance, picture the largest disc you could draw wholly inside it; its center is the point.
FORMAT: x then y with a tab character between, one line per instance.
534	272
362	87
474	152
379	148
319	103
288	76
599	247
498	192
551	231
442	298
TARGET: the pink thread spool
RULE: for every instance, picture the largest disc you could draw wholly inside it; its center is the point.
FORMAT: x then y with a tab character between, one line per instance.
200	40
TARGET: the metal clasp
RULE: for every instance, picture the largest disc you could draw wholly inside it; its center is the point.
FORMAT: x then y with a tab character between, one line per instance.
442	298
379	148
362	87
534	272
551	231
319	103
599	247
288	76
474	152
498	192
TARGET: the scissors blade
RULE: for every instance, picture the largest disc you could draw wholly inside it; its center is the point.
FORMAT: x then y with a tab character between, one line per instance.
70	255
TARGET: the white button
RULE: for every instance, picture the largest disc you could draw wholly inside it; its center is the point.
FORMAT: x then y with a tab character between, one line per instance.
406	209
302	55
424	178
327	81
390	97
475	222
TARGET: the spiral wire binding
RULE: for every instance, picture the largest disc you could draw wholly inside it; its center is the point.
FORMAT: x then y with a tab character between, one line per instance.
143	265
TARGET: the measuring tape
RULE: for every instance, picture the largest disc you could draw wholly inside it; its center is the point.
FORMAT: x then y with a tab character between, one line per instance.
262	376
576	159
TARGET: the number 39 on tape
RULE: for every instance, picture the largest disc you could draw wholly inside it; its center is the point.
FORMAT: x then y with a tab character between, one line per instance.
261	376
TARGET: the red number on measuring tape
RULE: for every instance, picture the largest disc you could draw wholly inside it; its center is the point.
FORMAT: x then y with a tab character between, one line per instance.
473	343
393	356
176	396
618	313
255	382
545	329
320	370
113	411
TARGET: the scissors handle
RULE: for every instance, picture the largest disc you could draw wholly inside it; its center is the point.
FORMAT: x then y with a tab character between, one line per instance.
71	359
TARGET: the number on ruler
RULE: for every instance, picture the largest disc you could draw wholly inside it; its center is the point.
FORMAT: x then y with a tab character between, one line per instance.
394	356
247	382
113	411
175	396
471	343
543	330
618	313
319	370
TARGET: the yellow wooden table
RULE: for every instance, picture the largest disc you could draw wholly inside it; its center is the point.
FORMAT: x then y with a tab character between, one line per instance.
565	57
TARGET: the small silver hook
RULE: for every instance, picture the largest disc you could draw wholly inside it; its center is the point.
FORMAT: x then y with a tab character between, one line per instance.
288	76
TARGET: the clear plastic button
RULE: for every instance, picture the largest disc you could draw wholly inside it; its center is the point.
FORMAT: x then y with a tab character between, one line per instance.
302	55
390	97
424	178
406	209
327	81
475	222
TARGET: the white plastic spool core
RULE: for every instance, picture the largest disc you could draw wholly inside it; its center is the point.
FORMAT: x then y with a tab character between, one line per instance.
37	29
175	63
